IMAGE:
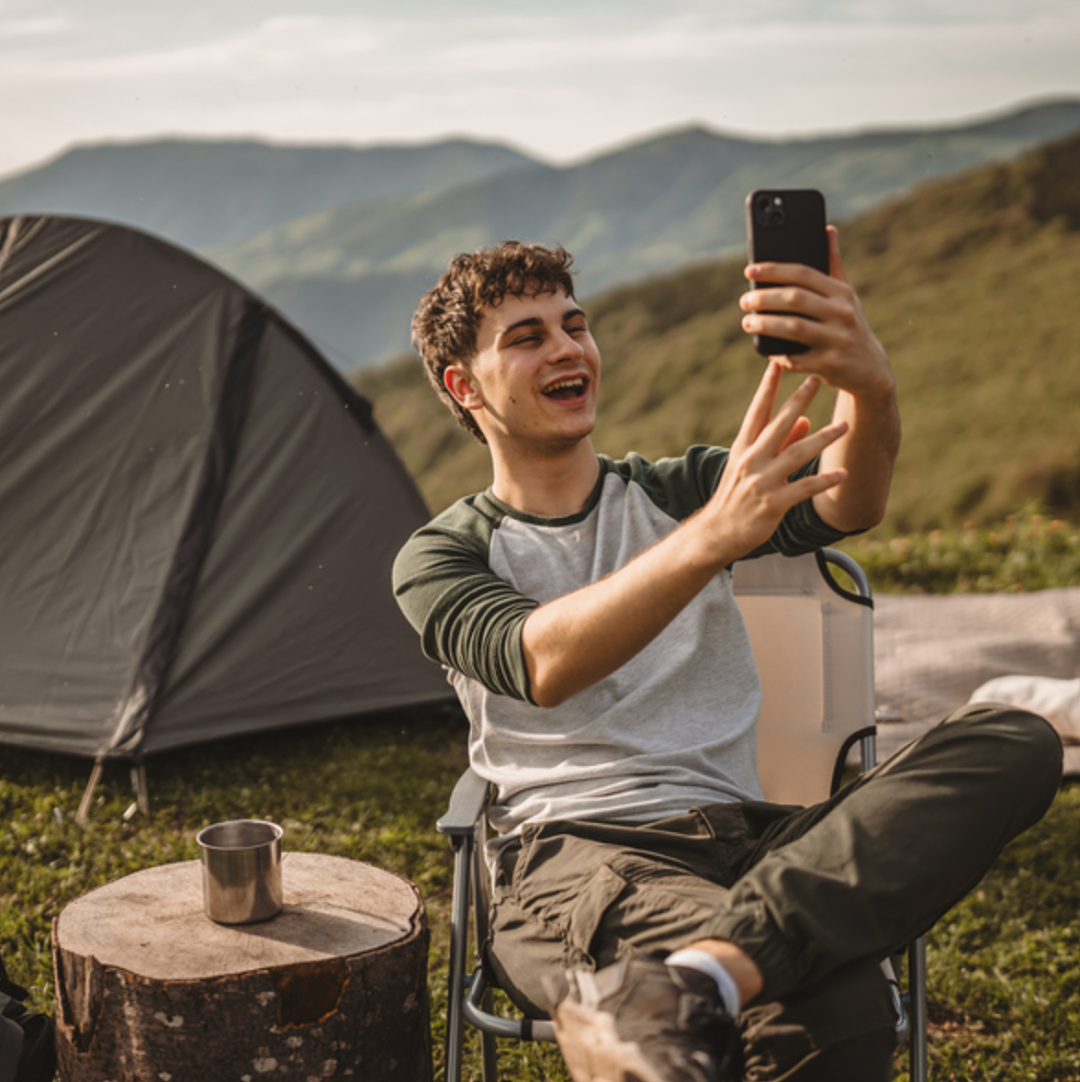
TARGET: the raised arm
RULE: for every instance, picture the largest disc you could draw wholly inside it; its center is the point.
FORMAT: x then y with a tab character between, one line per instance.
576	640
824	313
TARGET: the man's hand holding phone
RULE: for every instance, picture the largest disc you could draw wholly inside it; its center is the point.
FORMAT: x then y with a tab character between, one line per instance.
822	313
805	315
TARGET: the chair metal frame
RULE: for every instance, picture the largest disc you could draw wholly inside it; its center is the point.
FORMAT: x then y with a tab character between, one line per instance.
465	824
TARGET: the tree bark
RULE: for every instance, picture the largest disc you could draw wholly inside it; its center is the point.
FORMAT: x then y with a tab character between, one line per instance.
150	990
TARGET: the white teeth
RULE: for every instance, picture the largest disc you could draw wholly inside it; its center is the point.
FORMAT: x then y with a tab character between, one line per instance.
577	383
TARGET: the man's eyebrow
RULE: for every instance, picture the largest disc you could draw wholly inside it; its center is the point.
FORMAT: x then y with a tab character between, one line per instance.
531	321
536	321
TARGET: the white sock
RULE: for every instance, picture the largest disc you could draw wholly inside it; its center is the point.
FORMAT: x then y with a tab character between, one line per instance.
704	962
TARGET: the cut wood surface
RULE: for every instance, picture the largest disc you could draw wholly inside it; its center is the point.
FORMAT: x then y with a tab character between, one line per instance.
332	987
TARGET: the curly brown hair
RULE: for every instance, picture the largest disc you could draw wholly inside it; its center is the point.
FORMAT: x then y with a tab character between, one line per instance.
446	321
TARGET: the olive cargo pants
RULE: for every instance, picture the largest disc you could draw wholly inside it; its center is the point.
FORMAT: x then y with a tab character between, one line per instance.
816	896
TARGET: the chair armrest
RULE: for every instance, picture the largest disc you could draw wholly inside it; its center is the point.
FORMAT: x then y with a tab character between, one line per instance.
858	576
467	804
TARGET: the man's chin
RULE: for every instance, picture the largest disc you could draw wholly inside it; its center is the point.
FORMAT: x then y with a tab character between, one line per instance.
562	442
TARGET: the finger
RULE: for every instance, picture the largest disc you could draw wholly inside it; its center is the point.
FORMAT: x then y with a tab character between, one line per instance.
792	314
806	488
836	264
798	431
776	274
801	451
787	300
775	436
759	412
787	444
793	327
785	494
781	466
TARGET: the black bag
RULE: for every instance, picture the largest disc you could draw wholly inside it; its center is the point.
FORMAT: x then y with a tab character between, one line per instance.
27	1040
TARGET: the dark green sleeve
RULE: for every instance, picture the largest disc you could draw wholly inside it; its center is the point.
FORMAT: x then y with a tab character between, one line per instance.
680	486
468	618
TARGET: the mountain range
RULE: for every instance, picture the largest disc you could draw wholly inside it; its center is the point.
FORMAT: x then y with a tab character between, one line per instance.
344	240
199	193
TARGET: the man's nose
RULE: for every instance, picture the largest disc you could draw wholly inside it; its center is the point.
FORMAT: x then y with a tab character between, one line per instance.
566	346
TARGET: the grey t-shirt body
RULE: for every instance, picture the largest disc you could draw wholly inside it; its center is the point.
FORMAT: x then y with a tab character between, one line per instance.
671	729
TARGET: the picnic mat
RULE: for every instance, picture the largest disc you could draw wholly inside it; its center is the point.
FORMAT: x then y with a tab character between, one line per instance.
931	653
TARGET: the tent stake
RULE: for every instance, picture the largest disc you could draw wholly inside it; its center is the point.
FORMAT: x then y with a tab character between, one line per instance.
91	785
138	783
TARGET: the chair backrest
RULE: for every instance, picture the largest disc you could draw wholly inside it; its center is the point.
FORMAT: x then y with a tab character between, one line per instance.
814	648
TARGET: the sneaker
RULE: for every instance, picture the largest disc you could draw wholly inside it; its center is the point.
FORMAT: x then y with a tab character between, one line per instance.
640	1020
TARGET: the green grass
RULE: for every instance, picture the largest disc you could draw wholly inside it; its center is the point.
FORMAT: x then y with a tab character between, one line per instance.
1004	964
1028	551
368	791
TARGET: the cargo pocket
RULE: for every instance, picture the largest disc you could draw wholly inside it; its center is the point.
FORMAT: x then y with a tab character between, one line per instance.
584	915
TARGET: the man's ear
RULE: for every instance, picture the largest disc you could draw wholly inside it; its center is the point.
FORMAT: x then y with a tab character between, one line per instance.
458	381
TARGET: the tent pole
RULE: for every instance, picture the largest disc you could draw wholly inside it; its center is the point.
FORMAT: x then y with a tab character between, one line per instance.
84	805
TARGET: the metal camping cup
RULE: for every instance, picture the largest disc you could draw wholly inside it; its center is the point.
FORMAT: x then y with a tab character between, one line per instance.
241	863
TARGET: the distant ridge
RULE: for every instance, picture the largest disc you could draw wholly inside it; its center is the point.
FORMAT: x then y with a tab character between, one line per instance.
200	192
646	209
345	239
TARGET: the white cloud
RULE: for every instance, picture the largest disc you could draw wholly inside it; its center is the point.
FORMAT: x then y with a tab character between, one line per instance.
562	79
18	30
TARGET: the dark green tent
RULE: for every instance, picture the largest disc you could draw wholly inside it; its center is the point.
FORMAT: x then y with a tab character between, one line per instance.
198	514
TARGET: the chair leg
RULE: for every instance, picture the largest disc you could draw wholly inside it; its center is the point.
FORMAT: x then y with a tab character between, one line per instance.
917	1041
488	1050
459	945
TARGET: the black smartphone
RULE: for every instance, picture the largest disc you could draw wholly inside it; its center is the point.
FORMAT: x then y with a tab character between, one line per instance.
785	226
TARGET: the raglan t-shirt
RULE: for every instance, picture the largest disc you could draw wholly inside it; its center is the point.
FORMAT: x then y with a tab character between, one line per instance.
672	729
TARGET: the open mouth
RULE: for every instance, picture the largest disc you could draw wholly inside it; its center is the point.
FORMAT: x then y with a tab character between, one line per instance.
573	387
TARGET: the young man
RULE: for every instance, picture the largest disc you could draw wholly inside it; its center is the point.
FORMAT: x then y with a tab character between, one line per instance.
676	926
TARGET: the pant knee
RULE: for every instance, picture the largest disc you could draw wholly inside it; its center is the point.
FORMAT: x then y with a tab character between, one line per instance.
1029	737
1027	747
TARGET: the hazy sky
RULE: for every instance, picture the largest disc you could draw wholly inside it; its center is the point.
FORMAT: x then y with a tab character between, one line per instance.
560	79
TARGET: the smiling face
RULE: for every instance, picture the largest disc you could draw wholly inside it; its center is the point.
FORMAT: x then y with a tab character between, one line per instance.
533	382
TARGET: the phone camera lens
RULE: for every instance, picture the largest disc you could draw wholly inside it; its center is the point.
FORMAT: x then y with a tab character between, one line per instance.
769	210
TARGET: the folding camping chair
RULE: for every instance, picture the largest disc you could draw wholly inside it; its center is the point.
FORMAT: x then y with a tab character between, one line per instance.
813	643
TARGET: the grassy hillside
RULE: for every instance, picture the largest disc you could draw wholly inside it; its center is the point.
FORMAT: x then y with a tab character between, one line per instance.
969	282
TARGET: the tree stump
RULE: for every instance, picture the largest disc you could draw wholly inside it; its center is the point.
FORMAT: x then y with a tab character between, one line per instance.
334	986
